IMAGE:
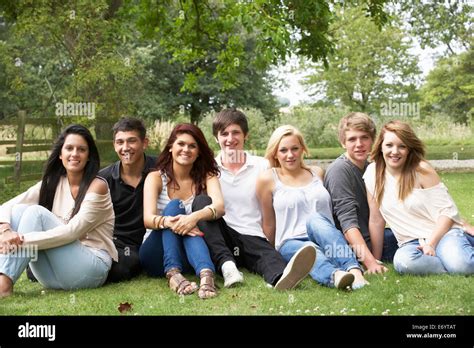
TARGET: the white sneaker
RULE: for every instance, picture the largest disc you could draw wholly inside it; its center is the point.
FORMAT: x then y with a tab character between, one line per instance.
298	268
231	274
343	279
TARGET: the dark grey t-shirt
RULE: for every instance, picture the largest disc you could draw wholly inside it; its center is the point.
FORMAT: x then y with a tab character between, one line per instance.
346	186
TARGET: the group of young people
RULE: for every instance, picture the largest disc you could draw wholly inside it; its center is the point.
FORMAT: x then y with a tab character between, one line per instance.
274	216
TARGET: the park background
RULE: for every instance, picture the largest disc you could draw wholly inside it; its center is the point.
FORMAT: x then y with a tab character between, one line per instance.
92	62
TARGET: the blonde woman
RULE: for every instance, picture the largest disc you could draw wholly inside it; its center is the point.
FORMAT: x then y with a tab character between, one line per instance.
405	191
291	195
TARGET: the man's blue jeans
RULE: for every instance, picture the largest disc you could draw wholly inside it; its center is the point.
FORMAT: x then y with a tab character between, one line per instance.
329	257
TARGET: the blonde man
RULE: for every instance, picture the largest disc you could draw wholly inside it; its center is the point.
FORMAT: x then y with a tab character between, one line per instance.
346	186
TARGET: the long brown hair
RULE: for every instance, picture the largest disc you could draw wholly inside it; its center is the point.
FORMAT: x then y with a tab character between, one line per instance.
204	166
416	154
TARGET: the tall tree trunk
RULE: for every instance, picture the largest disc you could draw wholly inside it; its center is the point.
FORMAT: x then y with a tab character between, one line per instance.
103	128
195	114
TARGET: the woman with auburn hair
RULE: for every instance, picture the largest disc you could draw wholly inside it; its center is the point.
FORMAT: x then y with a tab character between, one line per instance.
64	223
186	176
406	192
295	205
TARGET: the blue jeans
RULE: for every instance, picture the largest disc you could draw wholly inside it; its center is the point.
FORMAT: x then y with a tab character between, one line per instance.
337	256
151	254
390	245
183	252
454	254
70	266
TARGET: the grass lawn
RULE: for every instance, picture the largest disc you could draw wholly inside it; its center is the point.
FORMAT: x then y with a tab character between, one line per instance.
461	188
389	294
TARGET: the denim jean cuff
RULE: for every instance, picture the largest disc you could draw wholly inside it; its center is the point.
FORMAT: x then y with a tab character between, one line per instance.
355	267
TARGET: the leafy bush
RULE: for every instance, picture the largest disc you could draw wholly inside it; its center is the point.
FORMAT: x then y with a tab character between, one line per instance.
439	129
318	124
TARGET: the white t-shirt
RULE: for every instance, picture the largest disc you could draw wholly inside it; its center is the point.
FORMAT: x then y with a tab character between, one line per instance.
242	209
417	215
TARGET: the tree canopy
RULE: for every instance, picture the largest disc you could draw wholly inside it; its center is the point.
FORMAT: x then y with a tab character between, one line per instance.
192	29
439	22
449	87
138	56
368	65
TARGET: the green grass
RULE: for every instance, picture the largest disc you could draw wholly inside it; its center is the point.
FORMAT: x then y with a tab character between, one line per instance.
461	188
389	294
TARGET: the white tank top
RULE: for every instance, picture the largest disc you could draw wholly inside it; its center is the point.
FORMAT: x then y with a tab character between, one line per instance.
164	199
294	206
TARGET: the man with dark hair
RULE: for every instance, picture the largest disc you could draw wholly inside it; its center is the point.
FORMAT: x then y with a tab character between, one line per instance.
126	178
241	241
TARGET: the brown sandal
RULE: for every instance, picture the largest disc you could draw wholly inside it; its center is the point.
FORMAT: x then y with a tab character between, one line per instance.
207	289
179	284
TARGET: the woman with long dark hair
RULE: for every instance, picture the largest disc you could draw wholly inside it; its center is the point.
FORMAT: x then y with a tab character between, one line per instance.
186	175
406	192
63	225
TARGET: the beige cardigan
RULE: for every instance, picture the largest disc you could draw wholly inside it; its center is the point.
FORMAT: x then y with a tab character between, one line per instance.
93	225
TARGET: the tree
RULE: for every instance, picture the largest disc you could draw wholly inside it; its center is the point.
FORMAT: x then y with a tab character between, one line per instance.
69	50
90	51
449	87
193	29
368	65
439	22
166	78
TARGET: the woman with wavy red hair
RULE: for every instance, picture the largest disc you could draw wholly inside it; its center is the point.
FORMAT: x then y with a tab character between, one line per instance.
186	176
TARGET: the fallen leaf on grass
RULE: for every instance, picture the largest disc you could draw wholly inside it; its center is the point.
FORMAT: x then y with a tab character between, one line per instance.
124	307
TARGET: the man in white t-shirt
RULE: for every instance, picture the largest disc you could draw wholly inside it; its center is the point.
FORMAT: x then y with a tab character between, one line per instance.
240	241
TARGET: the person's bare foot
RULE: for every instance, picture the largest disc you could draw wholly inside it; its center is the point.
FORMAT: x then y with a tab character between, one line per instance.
359	280
6	286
